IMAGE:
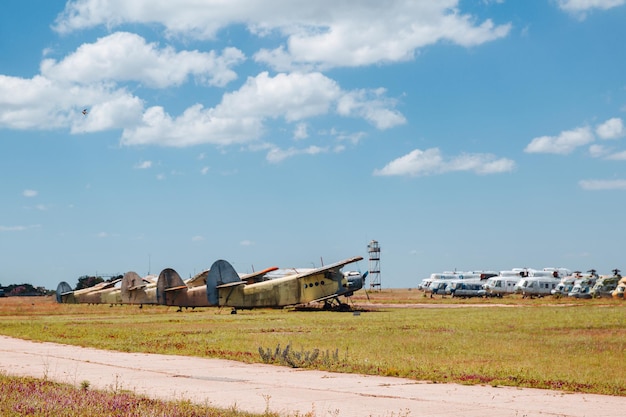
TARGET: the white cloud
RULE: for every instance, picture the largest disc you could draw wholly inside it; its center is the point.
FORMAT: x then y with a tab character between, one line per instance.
378	33
585	5
18	228
124	56
601	151
322	33
195	126
372	106
197	238
300	132
294	96
30	193
562	144
430	162
204	170
594	185
620	156
246	243
416	162
143	165
611	129
276	155
597	151
88	79
40	103
241	115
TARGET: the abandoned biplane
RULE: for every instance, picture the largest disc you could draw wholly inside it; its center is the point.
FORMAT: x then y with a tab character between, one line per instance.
173	291
326	284
101	293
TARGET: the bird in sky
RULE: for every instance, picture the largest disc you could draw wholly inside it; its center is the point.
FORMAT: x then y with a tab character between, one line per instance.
85	112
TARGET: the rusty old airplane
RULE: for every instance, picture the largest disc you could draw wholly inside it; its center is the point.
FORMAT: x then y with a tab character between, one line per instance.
222	286
173	291
326	284
102	293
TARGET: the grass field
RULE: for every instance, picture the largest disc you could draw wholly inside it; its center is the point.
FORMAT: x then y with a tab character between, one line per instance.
568	345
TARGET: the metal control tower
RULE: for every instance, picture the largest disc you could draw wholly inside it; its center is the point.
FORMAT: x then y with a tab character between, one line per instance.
374	264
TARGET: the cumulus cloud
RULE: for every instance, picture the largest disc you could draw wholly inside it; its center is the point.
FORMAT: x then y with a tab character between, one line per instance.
611	129
323	33
294	96
124	56
578	6
30	193
372	106
597	151
91	76
195	126
240	116
567	141
276	155
143	165
619	156
562	144
595	185
41	103
431	162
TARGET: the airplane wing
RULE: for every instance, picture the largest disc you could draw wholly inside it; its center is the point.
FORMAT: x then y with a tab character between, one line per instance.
110	284
336	266
181	287
151	279
100	286
231	284
137	287
144	283
250	278
198	280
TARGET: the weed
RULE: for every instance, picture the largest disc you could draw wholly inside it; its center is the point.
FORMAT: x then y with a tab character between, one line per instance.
302	359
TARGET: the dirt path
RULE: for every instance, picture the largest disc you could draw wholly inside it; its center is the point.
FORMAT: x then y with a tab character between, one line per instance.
258	388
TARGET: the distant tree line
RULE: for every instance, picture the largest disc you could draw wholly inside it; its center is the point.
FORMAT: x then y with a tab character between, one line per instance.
23	290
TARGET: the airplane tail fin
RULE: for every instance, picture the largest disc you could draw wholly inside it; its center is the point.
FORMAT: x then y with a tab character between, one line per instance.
130	282
168	281
221	273
63	289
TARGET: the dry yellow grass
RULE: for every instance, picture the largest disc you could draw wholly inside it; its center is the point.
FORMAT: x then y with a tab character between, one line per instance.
570	345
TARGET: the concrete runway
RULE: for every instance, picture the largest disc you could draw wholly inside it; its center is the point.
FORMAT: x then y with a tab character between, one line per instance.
258	388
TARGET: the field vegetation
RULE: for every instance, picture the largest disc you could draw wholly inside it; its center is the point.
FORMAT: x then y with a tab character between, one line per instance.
568	345
24	396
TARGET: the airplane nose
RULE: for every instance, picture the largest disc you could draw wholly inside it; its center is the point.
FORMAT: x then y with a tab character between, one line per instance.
355	282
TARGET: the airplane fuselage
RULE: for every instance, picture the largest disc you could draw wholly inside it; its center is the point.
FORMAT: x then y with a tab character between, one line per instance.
284	291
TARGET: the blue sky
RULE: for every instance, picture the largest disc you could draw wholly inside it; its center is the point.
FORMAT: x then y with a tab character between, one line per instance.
462	135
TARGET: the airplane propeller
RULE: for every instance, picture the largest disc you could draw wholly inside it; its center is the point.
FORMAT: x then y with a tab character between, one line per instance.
365	289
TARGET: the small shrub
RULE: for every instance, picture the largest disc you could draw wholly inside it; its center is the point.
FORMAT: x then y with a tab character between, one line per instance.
289	357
